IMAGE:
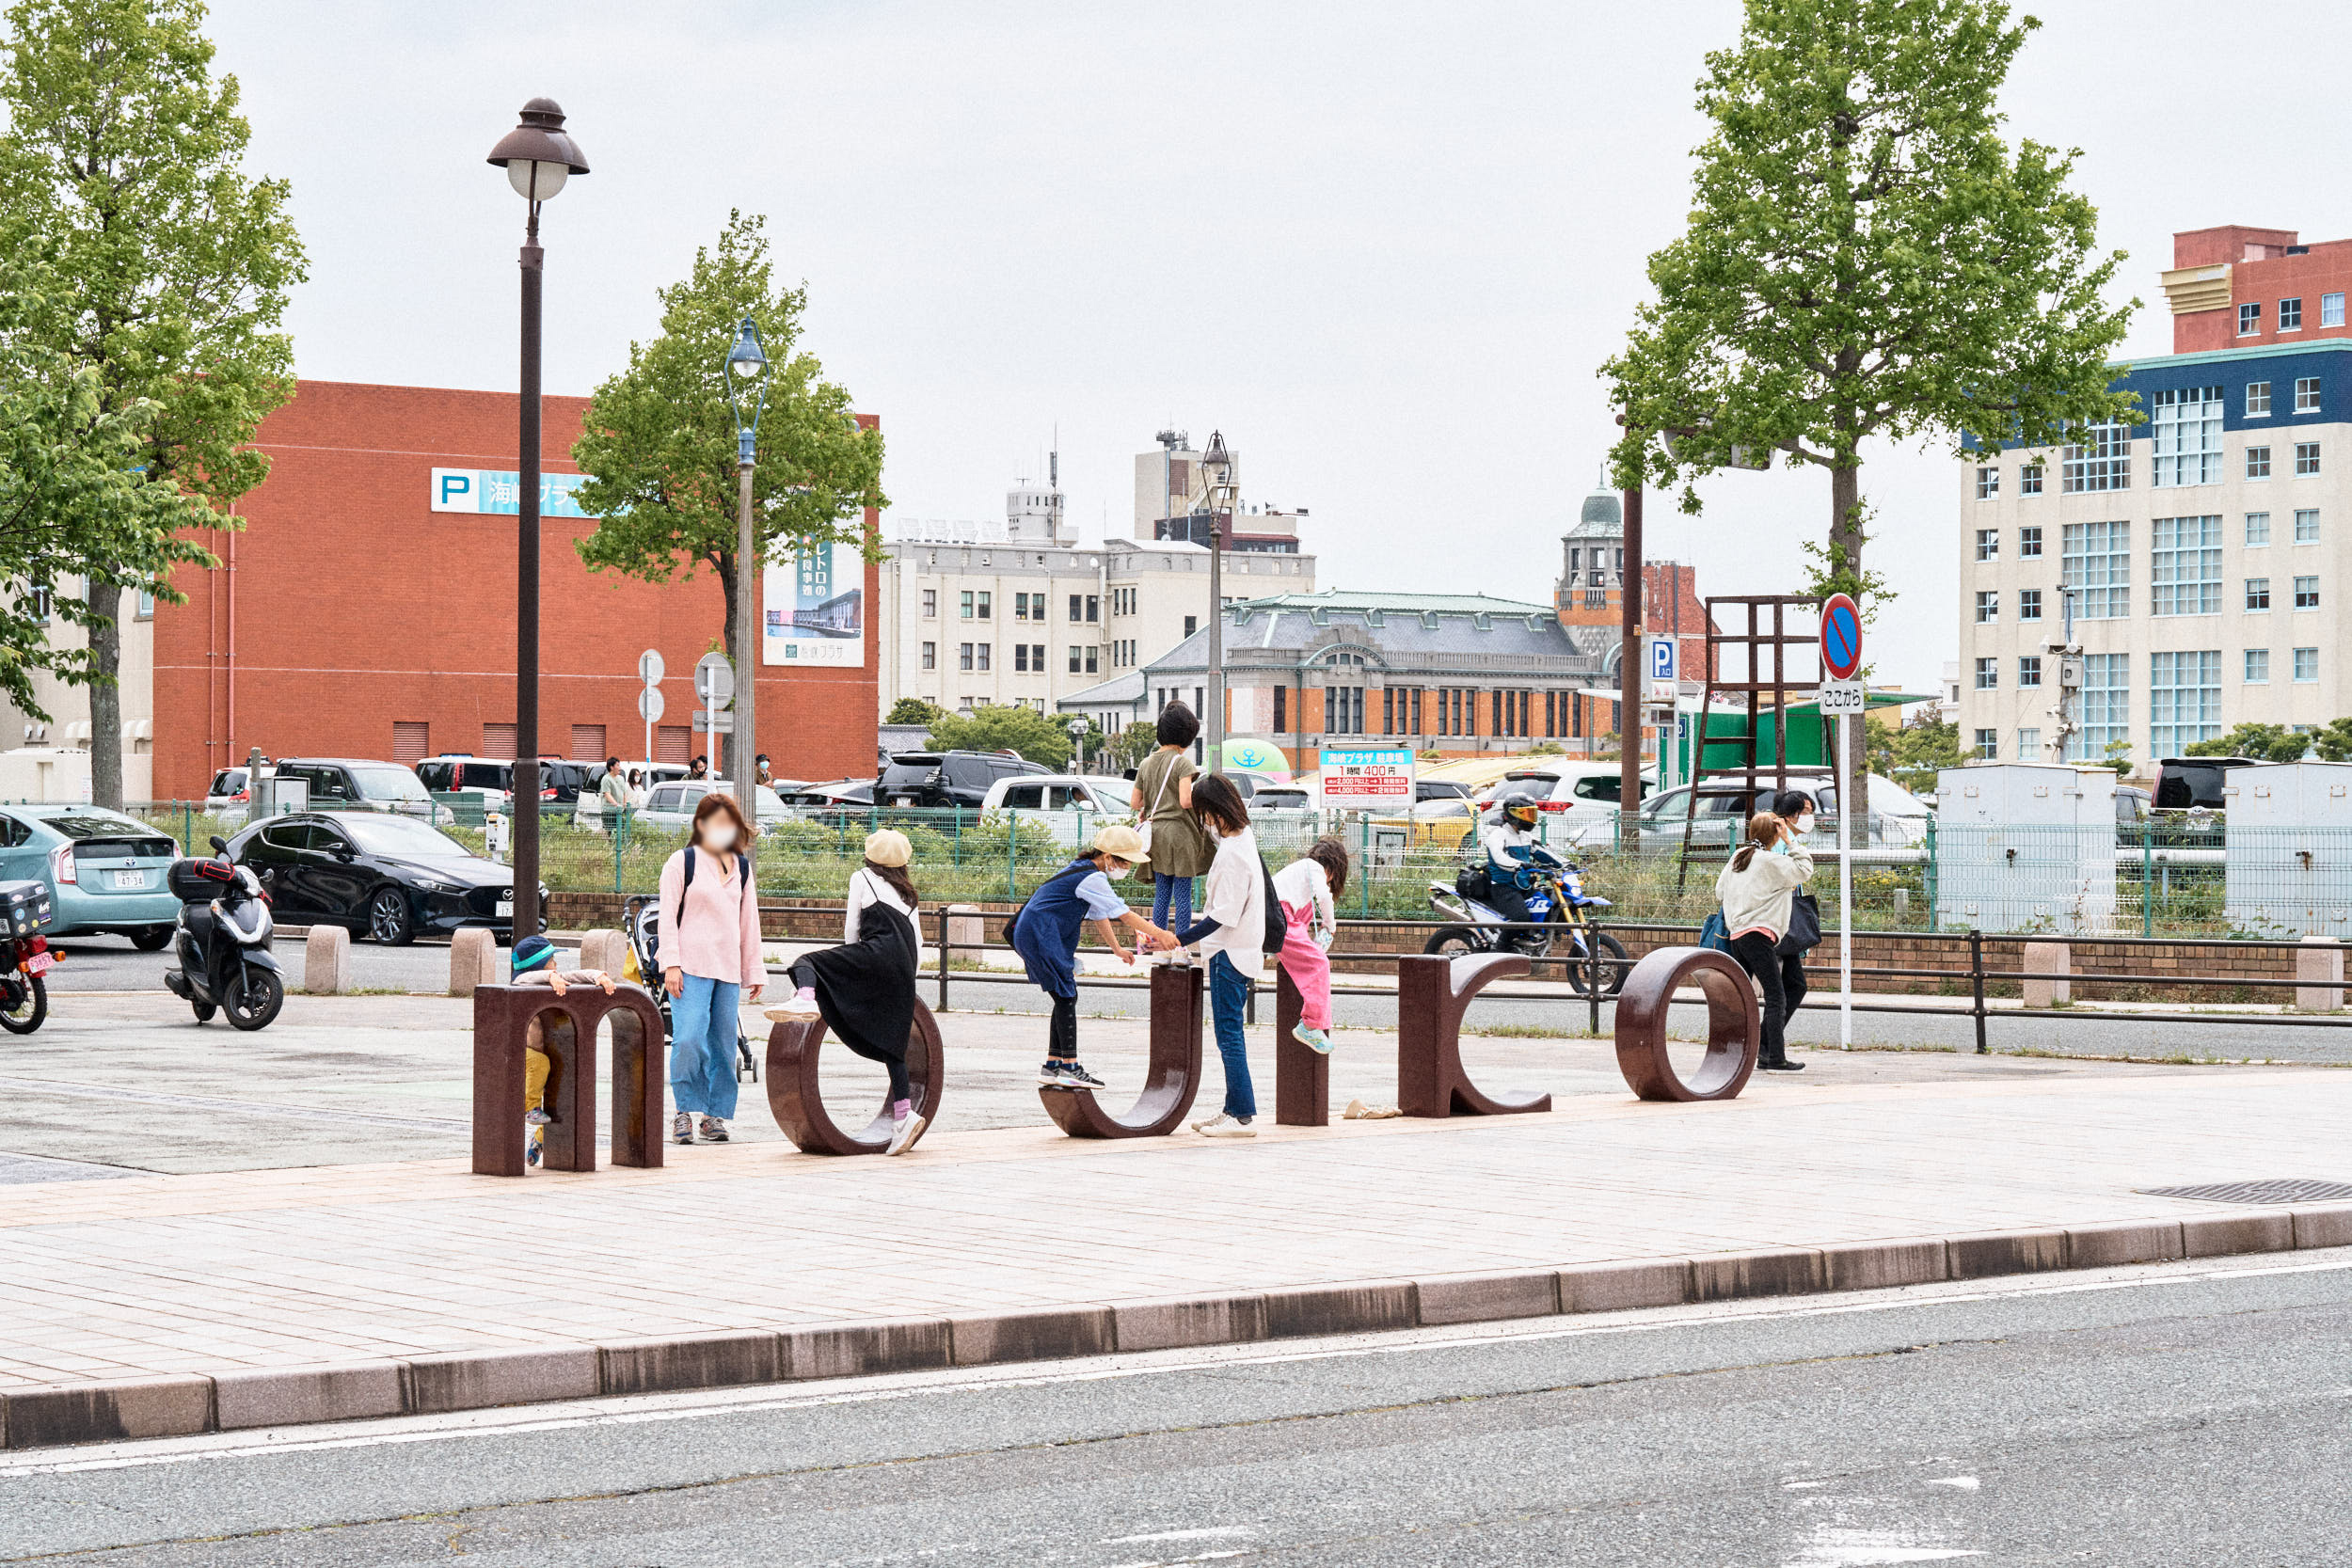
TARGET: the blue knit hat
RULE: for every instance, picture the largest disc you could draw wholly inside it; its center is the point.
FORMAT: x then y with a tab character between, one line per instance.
533	952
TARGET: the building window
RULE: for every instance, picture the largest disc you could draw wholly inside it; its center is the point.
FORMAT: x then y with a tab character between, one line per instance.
930	656
984	597
1282	709
2107	697
1077	602
2184	699
1021	606
1192	624
2291	315
2307	525
2258	666
2257	594
1988	606
44	603
2257	530
967	605
2307	394
2185	567
2028	744
2029	479
2029	670
2306	459
1037	665
1388	711
1021	658
2188	430
979	650
1094	651
1095	610
930	603
2332	309
2258	462
1416	729
2097	559
963	655
2257	399
145	610
1988	482
1989	745
1988	544
1075	666
2102	461
2249	321
2030	543
2030	603
2307	664
2307	592
1988	673
1342	710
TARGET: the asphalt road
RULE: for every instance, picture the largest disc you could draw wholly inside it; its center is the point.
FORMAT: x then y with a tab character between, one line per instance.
2188	1414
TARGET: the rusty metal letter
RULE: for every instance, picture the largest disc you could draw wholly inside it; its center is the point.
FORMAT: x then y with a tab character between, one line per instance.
501	1021
1302	1078
1431	995
1734	1025
1172	1076
798	1105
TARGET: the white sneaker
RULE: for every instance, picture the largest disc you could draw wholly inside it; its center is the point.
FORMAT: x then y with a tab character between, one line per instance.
682	1127
794	1009
1225	1127
905	1130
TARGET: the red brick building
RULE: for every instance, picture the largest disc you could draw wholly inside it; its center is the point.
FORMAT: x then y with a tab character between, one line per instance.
350	618
2236	286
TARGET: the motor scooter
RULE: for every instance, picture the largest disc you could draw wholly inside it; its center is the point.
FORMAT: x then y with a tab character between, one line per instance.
1556	901
222	940
25	956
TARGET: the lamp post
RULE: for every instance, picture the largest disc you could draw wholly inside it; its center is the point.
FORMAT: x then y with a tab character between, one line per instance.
747	374
1077	728
538	157
1216	470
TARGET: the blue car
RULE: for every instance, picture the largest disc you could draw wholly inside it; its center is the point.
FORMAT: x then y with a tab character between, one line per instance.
106	871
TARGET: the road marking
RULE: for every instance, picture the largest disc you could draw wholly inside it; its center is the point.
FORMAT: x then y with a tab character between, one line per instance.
692	1404
1966	1483
1210	1533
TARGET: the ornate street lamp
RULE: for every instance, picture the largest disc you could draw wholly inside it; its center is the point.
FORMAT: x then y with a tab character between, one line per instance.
538	157
1217	472
747	380
1077	728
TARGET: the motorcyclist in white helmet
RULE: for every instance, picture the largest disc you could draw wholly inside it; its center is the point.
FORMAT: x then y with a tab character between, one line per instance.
1511	850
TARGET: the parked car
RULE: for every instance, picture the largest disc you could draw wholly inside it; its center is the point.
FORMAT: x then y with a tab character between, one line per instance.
1897	816
2186	783
106	870
493	780
347	784
379	874
671	806
1441	821
942	779
1582	792
1063	792
839	794
230	797
2131	805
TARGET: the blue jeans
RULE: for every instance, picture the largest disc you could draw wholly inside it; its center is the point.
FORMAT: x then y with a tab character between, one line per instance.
1172	895
1229	993
702	1048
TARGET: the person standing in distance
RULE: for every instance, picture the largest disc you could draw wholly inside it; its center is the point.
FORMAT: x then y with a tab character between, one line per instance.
1756	889
1232	931
710	962
613	792
1795	808
1171	834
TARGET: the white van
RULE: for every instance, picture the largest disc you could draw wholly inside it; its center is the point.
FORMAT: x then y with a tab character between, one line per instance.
1578	794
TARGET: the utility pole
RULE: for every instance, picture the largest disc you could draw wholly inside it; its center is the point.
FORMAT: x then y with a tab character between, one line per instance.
1629	674
2069	655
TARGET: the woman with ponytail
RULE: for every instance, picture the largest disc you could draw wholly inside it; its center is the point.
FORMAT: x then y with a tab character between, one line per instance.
1757	890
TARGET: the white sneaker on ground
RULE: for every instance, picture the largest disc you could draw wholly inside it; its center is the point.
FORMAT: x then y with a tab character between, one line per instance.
682	1127
1225	1127
714	1131
905	1130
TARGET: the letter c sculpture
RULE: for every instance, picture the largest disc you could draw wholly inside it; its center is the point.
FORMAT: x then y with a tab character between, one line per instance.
1734	1025
798	1105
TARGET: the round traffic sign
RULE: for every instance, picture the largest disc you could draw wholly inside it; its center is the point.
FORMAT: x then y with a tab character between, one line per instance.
1841	638
649	667
649	703
714	679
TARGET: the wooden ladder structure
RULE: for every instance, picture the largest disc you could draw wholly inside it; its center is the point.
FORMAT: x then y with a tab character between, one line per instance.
1717	779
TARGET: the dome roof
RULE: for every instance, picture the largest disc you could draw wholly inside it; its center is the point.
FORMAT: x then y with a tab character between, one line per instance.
1603	514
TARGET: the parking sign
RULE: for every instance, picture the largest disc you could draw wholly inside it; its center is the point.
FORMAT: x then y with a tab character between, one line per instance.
1664	678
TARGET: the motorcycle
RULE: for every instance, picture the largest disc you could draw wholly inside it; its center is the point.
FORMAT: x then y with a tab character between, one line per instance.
222	940
641	924
25	956
1556	900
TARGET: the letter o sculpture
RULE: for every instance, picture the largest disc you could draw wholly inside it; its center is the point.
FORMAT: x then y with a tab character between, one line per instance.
1734	1025
798	1105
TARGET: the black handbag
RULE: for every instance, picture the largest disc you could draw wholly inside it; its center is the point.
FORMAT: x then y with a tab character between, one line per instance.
1805	926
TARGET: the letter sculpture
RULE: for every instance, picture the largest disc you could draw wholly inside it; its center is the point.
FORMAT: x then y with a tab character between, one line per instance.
1173	1073
1734	1032
798	1105
502	1019
1302	1078
1431	995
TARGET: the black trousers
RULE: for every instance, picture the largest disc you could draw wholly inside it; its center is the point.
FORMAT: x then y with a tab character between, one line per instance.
1756	954
805	973
1061	1035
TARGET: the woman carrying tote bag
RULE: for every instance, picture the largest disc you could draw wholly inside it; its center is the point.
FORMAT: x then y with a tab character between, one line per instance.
1172	838
1758	889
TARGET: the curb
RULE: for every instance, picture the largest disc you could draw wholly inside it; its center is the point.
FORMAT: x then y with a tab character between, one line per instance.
60	1413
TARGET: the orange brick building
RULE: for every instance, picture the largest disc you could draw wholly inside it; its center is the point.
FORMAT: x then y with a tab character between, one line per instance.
350	618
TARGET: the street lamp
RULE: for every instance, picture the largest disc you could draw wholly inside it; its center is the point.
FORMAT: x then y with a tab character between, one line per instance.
1217	472
746	378
1077	728
538	157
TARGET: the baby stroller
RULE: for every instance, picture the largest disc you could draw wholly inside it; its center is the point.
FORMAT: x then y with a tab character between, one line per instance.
640	923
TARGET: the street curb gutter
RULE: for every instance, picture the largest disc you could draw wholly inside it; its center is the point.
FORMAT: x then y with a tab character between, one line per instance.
59	1413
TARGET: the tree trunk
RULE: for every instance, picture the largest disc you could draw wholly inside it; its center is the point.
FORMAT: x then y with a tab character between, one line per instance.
723	761
1844	544
105	696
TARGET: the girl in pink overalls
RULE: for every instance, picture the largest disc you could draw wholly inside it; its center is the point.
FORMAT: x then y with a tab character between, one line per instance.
1308	888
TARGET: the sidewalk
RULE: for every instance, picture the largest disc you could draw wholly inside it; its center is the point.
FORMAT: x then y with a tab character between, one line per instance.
219	1274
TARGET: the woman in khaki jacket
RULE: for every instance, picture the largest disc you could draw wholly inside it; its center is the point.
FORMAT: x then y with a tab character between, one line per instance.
1757	890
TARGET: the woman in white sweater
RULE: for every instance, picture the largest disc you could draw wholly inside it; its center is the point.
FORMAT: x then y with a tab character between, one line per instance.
1757	890
1232	931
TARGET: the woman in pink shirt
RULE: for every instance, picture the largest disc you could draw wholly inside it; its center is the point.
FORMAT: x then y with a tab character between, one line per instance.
709	961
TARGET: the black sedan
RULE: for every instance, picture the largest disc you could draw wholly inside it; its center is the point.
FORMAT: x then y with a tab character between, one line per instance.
381	875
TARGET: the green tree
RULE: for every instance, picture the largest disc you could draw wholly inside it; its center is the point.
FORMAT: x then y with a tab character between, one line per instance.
1913	754
1004	729
2262	743
2333	740
658	445
121	166
1139	740
1867	260
914	710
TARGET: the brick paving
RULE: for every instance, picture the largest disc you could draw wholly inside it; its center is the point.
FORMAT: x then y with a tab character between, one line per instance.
214	1272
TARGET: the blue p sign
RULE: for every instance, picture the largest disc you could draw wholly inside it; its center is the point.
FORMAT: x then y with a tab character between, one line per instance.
1661	659
454	485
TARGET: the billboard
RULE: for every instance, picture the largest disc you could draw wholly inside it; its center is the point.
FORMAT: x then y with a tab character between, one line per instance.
814	608
1380	780
486	490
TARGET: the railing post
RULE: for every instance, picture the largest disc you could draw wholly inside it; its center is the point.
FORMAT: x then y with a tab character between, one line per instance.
1592	957
1975	980
1363	853
1013	851
2147	879
944	946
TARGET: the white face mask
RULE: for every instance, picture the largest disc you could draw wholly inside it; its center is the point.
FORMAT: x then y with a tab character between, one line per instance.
1116	872
718	836
1805	823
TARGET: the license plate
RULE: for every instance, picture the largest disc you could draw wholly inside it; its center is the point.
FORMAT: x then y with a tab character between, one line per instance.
39	963
506	906
130	879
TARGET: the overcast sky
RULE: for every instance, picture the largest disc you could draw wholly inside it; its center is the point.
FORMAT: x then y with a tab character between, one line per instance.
1381	246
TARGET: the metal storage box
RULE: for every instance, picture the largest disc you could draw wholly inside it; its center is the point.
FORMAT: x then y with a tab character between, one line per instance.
24	906
2025	846
2287	842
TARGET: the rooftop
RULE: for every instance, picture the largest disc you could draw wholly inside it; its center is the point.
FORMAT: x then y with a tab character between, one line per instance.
1395	604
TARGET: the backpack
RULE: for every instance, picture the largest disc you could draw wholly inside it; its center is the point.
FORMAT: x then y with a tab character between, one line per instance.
1276	924
1715	934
